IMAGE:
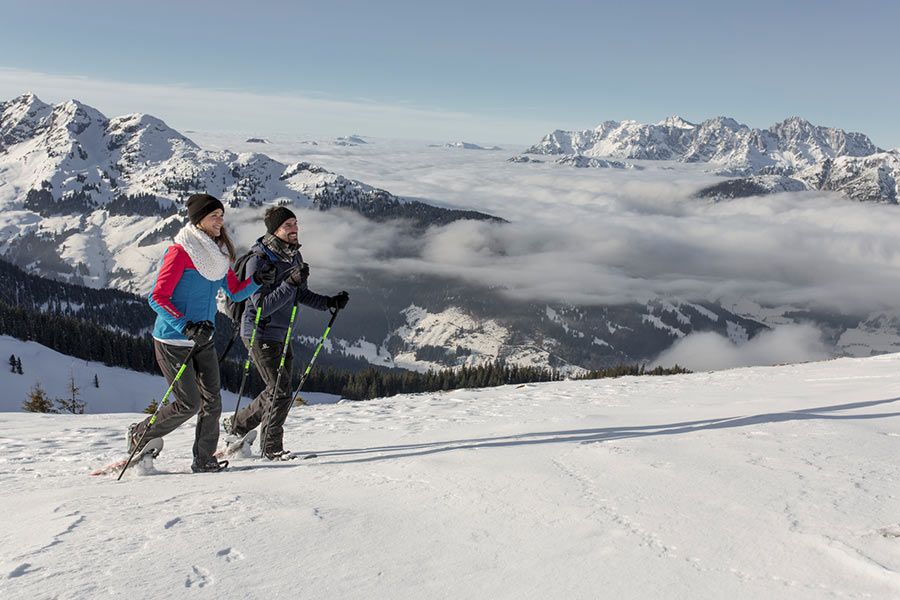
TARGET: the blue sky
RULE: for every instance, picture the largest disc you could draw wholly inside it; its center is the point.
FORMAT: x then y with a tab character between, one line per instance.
480	71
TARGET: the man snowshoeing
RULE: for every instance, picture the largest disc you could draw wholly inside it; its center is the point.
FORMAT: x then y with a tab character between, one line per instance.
279	246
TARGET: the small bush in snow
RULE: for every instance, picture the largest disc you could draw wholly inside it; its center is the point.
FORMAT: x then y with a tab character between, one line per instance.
37	401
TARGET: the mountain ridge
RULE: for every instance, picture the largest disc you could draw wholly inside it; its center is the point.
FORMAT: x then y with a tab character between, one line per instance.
814	157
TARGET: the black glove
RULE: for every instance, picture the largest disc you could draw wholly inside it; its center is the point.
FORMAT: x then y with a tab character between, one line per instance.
199	333
298	274
265	273
339	301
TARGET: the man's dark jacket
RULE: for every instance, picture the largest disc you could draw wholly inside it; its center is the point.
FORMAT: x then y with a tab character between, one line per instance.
277	298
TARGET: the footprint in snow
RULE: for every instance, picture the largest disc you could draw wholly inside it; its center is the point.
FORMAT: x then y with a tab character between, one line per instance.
199	577
890	532
230	554
23	569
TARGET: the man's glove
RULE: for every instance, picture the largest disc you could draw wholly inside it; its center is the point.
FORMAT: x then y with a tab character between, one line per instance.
265	273
339	301
298	274
199	333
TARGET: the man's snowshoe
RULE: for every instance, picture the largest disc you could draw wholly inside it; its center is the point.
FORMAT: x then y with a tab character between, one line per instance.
236	445
210	465
144	458
288	455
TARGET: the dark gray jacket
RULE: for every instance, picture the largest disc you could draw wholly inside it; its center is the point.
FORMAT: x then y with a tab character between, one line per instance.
277	299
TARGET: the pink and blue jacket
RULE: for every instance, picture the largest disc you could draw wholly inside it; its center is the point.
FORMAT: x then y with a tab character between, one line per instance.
181	294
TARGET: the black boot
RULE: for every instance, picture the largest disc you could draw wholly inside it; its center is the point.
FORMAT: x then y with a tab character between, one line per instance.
209	465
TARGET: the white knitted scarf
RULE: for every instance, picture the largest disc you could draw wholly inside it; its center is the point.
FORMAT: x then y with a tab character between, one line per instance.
208	258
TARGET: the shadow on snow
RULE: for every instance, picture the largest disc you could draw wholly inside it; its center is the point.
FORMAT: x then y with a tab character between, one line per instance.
591	436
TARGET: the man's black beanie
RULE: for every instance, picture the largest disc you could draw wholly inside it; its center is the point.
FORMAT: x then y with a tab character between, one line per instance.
276	216
200	205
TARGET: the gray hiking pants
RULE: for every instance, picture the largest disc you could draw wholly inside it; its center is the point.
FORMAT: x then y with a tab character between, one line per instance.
265	357
195	393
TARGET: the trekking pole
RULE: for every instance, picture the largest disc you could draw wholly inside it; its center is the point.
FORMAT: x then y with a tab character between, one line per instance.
334	314
237	330
284	351
247	361
163	402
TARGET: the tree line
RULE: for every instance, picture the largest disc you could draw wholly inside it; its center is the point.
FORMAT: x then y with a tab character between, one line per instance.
112	327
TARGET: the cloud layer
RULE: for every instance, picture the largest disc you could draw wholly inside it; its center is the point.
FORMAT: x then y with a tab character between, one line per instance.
594	236
710	351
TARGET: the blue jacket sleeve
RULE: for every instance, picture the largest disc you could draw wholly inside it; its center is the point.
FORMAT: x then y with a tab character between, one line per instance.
236	289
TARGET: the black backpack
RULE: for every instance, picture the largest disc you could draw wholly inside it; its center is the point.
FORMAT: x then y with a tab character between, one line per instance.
235	310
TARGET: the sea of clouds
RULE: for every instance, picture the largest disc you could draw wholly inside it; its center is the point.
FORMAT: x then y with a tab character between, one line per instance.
605	236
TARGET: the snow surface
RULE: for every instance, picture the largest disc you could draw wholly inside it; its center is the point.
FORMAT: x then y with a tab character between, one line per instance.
778	482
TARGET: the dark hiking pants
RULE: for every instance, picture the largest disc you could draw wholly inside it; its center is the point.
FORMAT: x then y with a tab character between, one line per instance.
265	356
195	393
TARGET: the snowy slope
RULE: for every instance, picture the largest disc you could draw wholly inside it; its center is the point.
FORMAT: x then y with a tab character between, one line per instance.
776	482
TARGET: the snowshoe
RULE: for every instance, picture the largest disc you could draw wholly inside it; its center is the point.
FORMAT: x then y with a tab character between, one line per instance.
210	465
235	445
144	458
288	455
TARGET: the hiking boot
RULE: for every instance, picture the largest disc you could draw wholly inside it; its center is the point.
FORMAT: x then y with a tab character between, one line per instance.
208	465
279	454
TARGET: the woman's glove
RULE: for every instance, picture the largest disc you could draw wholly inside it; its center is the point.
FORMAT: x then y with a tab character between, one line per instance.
199	333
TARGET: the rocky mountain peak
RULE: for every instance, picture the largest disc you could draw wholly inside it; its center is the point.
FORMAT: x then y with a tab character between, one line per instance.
676	122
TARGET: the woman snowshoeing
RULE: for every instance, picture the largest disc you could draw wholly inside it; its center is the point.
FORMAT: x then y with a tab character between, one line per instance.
192	271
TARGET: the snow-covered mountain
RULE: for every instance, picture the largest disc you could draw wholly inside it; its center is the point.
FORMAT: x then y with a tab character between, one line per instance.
812	157
465	146
349	140
521	158
95	201
589	162
89	198
788	146
769	482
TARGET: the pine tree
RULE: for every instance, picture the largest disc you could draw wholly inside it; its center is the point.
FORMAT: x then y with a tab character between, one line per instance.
19	365
72	404
37	401
96	381
151	408
12	363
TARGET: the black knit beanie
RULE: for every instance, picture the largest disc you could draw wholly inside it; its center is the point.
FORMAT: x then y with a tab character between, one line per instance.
276	216
200	205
